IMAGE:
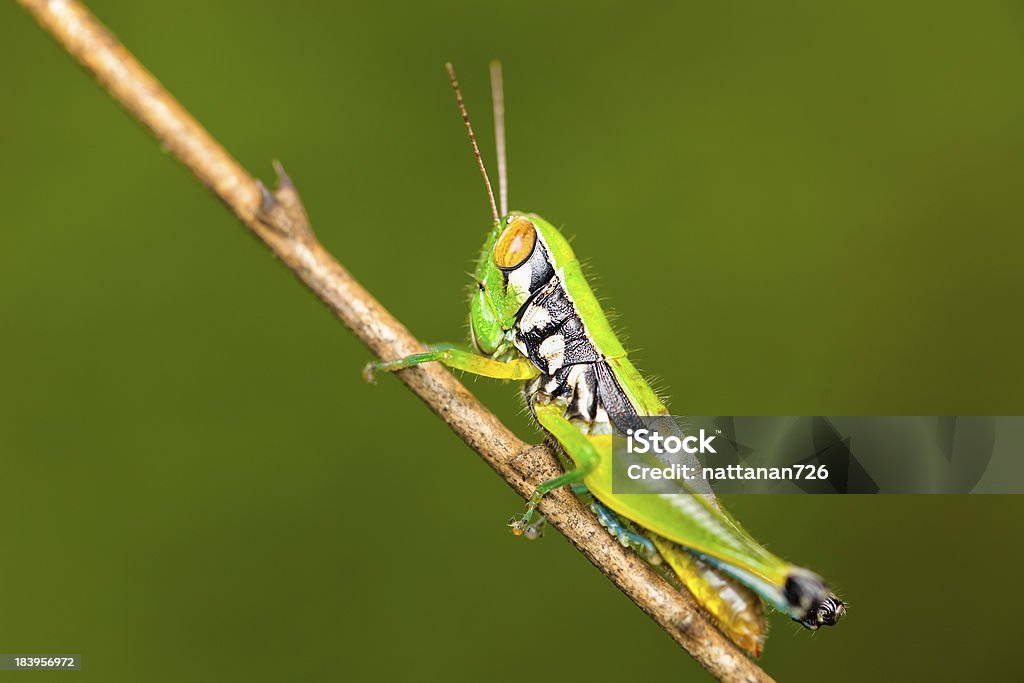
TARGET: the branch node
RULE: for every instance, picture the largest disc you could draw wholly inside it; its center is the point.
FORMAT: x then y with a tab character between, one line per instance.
282	210
690	625
534	462
267	199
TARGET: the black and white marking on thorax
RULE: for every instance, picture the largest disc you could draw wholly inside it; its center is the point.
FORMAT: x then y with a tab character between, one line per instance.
551	333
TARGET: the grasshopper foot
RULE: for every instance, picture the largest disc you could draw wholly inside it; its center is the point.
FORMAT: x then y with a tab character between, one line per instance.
370	373
518	525
523	526
536	529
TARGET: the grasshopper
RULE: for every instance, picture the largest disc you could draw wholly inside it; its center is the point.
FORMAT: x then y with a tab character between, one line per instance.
534	318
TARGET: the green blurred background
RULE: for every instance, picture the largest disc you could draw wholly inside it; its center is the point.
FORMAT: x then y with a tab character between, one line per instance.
192	485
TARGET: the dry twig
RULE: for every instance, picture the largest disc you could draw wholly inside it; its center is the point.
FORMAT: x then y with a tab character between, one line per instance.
280	220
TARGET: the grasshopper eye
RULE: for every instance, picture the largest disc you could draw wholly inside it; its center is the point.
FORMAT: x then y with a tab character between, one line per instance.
515	244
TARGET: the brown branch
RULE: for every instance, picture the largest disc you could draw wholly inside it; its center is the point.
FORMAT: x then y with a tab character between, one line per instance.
281	222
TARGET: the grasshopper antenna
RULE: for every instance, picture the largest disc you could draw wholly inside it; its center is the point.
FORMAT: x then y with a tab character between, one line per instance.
498	98
472	140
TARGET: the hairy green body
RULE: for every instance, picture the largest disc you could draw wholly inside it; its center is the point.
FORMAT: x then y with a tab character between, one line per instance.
534	317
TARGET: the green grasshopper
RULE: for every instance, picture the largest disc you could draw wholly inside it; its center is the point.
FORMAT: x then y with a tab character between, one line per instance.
534	318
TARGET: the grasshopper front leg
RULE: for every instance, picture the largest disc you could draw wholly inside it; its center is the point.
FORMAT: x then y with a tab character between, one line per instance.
458	359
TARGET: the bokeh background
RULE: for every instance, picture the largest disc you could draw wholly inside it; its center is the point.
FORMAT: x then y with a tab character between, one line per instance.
197	485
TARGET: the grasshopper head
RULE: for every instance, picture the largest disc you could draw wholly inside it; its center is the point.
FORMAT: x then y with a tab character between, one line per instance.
516	261
500	291
520	256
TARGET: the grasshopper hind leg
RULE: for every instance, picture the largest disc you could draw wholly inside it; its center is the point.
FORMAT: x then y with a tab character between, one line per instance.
735	609
618	529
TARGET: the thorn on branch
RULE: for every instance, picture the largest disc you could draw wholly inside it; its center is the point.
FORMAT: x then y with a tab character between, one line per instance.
284	181
282	210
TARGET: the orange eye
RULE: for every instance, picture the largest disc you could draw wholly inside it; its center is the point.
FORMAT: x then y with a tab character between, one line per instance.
515	244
